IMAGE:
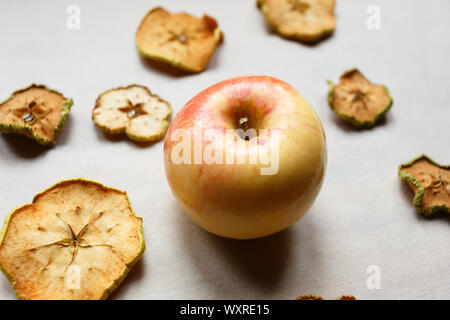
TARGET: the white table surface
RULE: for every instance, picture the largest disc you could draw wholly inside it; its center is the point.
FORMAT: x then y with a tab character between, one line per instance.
363	215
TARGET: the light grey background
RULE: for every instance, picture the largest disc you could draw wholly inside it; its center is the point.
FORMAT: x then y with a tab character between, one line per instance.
362	217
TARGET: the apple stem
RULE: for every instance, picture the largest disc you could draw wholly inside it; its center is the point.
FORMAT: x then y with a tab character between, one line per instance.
243	123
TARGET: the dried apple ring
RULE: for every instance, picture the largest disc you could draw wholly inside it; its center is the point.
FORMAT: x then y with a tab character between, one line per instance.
304	20
132	110
358	101
430	182
36	112
76	241
182	40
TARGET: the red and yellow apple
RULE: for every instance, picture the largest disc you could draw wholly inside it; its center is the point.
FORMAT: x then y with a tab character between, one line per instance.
246	186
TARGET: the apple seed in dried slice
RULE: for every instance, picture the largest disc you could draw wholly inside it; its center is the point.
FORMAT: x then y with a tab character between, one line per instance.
77	240
132	110
430	182
36	112
182	40
355	99
304	20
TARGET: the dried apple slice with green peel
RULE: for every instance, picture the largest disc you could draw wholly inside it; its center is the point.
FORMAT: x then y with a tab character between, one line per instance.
132	110
76	240
35	111
304	20
182	40
430	182
358	101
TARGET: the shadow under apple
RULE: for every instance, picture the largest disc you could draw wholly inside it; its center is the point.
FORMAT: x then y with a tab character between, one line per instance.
275	267
260	261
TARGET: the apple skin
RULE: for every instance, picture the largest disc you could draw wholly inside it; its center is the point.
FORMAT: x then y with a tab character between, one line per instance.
235	200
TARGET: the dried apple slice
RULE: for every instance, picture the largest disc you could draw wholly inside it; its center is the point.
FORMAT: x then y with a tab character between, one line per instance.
355	99
308	297
35	111
430	182
182	40
132	110
304	20
76	240
314	297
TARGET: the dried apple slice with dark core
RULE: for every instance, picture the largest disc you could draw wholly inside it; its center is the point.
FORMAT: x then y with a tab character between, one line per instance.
37	112
355	99
304	20
76	225
182	40
430	183
132	110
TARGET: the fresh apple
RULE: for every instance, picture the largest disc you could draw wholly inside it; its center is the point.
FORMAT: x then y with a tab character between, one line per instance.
246	157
